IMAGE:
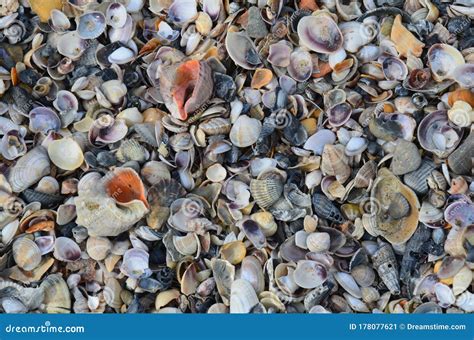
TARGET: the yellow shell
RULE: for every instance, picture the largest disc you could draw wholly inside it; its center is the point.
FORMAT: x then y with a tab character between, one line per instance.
43	8
234	252
387	189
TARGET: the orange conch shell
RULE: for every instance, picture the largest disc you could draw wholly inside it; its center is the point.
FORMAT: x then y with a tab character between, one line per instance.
186	87
124	185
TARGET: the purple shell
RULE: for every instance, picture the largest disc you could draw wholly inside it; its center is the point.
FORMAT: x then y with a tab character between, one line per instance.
460	214
437	135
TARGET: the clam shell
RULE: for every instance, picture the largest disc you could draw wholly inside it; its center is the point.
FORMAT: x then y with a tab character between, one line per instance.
91	25
98	247
251	271
135	263
320	33
443	59
29	169
65	153
26	253
242	50
309	274
243	297
66	250
348	283
318	242
245	131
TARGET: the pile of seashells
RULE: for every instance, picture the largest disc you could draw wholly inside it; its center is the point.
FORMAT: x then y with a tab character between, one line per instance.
214	156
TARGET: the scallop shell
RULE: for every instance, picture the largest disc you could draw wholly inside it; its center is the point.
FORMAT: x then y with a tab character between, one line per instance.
266	190
66	250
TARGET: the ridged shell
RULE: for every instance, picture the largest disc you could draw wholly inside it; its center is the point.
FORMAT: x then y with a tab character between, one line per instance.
242	297
417	180
29	169
26	253
266	191
324	208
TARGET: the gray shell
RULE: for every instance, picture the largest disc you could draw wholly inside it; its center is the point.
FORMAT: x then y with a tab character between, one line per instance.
385	263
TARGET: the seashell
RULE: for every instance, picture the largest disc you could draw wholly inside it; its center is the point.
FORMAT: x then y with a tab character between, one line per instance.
279	54
71	45
385	263
318	242
114	90
301	65
417	180
242	50
363	275
463	75
44	120
394	69
251	271
91	25
458	186
266	222
26	253
57	298
461	114
261	78
267	189
356	146
243	297
320	33
443	59
436	136
110	214
324	208
462	280
216	126
460	214
234	252
356	35
186	245
465	301
66	250
339	114
135	263
116	15
390	195
317	142
224	274
430	214
98	247
186	88
444	294
404	40
460	160
29	169
245	131
253	233
44	10
182	11
348	283
65	153
334	162
309	274
216	173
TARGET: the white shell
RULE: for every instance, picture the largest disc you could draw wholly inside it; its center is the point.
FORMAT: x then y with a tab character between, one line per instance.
245	131
242	297
65	153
